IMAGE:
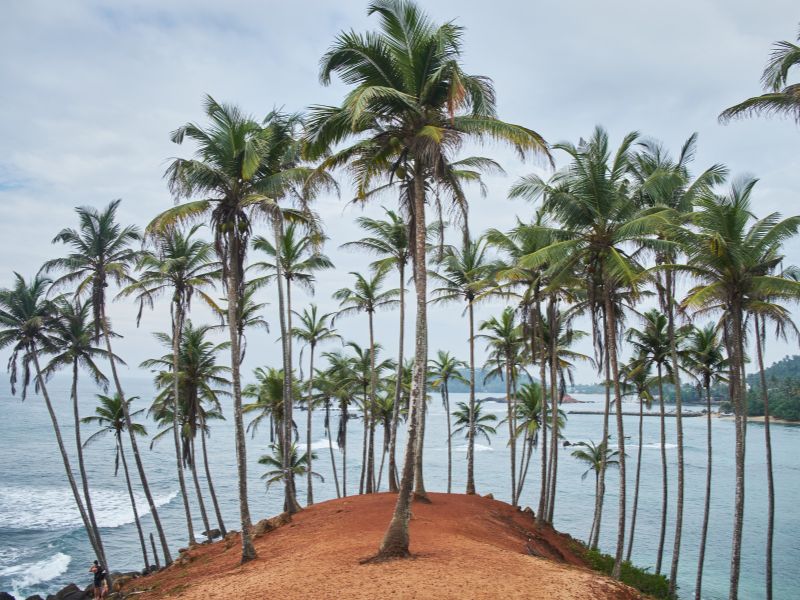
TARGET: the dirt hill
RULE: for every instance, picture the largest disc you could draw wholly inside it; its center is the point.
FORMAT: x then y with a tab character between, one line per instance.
463	546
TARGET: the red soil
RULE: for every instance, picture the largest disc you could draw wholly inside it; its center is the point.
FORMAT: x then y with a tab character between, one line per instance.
463	547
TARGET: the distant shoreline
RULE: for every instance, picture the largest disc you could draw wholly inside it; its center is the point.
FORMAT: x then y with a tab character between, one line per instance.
760	420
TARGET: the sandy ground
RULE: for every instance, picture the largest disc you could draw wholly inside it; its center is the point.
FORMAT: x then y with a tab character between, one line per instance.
464	547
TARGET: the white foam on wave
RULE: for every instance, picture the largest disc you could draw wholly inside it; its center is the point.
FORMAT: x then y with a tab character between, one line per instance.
42	508
657	446
478	448
321	444
25	575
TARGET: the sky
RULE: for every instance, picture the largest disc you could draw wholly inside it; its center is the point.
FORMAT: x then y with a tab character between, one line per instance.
90	91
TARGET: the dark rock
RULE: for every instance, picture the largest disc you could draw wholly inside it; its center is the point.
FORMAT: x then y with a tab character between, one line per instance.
71	592
567	443
6	596
266	525
213	533
489	496
34	597
528	510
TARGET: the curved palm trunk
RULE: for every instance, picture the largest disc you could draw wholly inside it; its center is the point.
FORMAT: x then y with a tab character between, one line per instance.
555	392
737	384
471	426
541	515
511	437
217	512
177	328
760	342
525	462
676	548
664	478
636	486
330	447
446	400
81	465
601	480
143	544
395	541
248	550
373	410
134	445
201	503
393	487
309	406
707	505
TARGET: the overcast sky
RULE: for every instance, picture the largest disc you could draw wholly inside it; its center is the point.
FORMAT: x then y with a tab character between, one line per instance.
89	92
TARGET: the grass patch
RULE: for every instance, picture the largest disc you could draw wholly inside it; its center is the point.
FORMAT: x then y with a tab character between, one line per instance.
648	583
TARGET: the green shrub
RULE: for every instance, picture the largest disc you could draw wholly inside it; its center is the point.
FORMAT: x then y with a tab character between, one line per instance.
641	579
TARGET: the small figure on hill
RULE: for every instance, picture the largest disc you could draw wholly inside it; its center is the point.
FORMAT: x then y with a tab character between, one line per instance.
100	580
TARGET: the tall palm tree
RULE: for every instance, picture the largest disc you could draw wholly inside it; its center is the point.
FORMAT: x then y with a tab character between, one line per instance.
339	374
71	333
181	266
464	418
110	417
732	258
366	296
101	253
299	464
446	368
596	457
25	314
241	169
529	424
388	239
780	97
460	276
314	329
704	357
267	395
410	106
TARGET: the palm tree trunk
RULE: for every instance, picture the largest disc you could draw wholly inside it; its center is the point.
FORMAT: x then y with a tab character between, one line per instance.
636	486
676	376
121	450
373	410
611	343
177	328
707	506
248	550
446	399
554	326
134	445
471	426
601	486
664	478
398	391
541	515
81	464
309	407
344	461
364	444
330	447
395	541
217	512
200	502
511	437
737	384
760	342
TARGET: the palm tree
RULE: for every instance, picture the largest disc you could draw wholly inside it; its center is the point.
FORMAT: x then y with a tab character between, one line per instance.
596	457
366	296
249	316
328	391
71	334
464	419
704	358
460	276
180	266
410	107
779	98
446	368
110	417
299	464
732	259
314	329
267	395
388	239
25	314
101	253
339	374
529	423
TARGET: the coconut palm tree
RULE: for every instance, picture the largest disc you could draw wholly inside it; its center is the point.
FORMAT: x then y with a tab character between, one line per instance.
780	97
704	357
596	457
180	265
267	395
410	106
366	296
460	276
298	465
101	253
109	416
328	391
446	368
71	333
388	240
313	330
342	387
529	423
464	419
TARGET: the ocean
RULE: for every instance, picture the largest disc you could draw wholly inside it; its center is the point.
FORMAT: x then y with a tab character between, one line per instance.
43	546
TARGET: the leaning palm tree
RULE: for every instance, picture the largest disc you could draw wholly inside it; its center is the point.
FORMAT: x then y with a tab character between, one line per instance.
101	253
460	276
388	240
179	265
446	368
110	417
411	106
780	98
25	314
596	457
314	329
367	296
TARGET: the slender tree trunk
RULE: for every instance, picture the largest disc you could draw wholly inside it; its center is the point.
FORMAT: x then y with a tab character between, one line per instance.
736	382
554	387
471	425
676	375
200	502
81	465
364	445
398	391
344	461
395	541
601	486
121	450
134	445
760	342
446	400
330	447
177	328
217	512
373	410
511	437
248	550
707	505
664	478
541	515
309	406
636	486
